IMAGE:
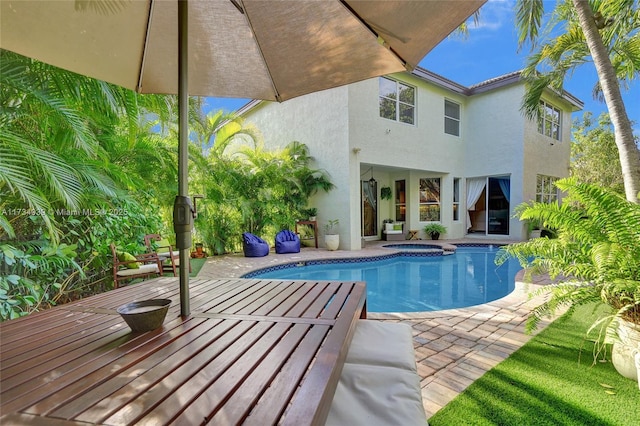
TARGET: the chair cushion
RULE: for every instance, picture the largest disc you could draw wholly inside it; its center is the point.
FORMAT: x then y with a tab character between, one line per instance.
165	255
379	383
374	395
126	257
397	350
142	269
163	245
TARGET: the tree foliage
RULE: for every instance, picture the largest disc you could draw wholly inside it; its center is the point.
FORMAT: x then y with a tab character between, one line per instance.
594	155
595	257
604	33
76	165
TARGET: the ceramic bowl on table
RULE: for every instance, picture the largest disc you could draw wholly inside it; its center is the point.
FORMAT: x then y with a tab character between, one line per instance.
145	315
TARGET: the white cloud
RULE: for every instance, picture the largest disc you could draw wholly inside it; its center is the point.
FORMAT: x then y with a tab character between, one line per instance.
494	16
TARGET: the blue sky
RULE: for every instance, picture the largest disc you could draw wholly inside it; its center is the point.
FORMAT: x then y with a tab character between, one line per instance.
489	51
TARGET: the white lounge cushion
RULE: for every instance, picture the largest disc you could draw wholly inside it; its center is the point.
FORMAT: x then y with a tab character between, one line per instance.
389	228
382	343
143	269
165	255
373	395
379	383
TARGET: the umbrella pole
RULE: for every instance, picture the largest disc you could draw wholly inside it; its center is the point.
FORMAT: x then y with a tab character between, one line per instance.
183	148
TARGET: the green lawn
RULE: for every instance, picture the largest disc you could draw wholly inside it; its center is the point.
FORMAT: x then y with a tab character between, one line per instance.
549	381
196	265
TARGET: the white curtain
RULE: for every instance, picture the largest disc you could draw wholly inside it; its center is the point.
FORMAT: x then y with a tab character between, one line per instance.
505	185
474	190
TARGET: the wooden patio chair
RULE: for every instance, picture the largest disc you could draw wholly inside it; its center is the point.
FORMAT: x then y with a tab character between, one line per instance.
131	267
169	256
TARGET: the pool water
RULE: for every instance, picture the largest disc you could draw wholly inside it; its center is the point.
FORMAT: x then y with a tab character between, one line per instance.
410	283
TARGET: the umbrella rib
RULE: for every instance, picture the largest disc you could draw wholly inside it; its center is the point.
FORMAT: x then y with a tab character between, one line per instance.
241	7
144	48
381	40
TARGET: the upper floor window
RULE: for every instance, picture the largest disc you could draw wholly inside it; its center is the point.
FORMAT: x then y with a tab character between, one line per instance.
546	191
549	120
429	199
451	118
397	101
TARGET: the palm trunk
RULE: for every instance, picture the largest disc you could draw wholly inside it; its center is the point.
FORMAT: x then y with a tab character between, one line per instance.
627	149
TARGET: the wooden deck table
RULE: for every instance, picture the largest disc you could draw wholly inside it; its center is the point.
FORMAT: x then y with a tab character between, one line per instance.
253	352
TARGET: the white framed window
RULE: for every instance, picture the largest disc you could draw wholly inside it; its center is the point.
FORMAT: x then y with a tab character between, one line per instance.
397	101
451	118
429	199
456	199
546	190
549	120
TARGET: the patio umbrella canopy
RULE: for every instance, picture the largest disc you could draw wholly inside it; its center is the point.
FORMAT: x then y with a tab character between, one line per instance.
270	50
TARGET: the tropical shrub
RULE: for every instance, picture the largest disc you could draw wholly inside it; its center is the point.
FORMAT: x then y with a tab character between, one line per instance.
595	257
250	189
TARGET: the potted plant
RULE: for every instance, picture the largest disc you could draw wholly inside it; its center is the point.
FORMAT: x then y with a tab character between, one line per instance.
434	230
331	236
534	228
385	193
307	236
312	213
595	258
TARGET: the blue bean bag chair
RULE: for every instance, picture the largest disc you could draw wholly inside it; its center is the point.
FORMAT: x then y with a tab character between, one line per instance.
254	246
287	242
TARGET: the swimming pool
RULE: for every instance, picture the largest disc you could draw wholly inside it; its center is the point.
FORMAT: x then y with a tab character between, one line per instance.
414	282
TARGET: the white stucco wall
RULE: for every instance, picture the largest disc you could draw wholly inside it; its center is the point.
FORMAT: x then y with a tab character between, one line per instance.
420	150
347	136
321	122
546	156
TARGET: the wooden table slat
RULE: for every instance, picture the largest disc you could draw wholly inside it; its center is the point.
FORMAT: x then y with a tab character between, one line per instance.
167	400
320	384
265	304
254	351
218	392
261	378
109	395
153	386
287	381
46	340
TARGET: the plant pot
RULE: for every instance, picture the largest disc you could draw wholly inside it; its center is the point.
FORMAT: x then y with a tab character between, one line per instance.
435	235
535	233
624	350
312	218
332	241
308	242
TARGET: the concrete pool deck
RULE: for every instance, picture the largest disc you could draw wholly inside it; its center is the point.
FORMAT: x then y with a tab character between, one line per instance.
452	347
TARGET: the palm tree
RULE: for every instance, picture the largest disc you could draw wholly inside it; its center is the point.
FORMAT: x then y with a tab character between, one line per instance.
610	36
595	257
46	145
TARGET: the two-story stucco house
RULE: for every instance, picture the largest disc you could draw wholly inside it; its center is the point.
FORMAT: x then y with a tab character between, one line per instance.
460	156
